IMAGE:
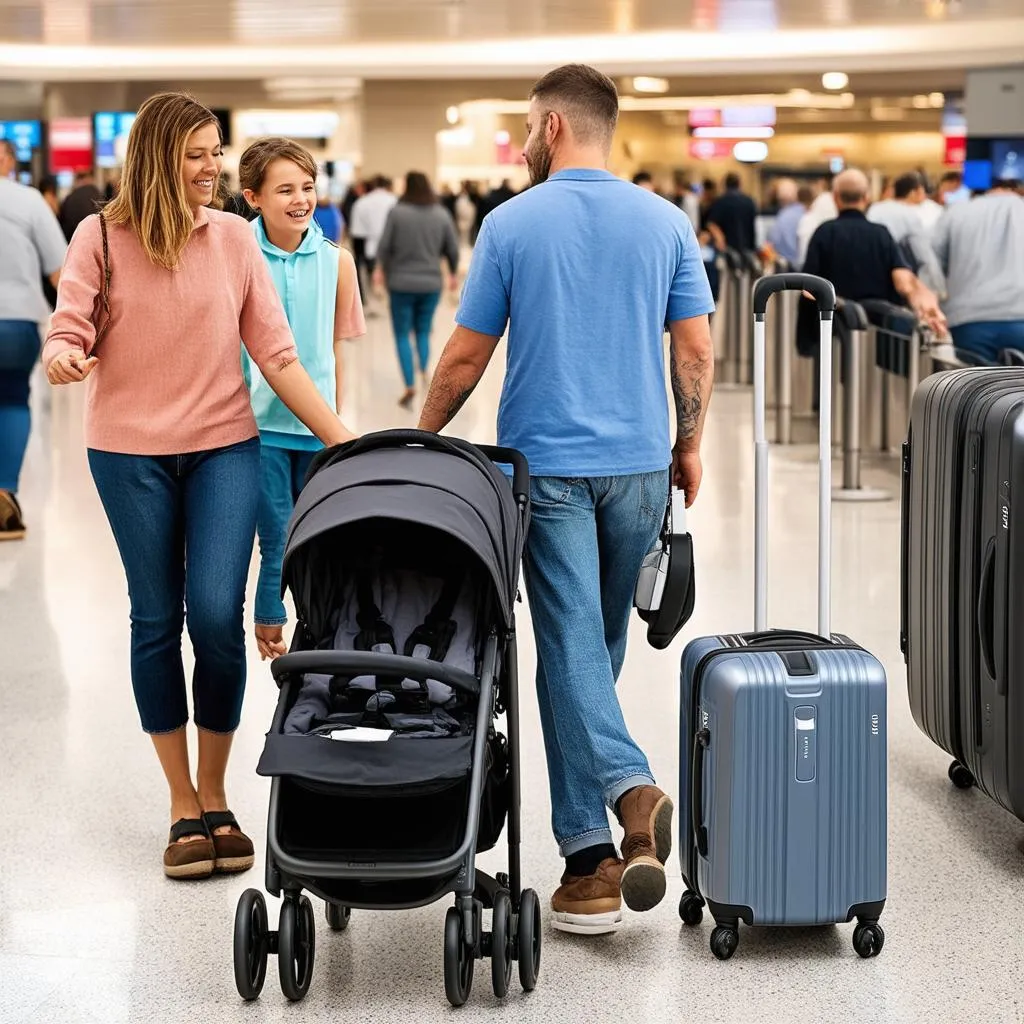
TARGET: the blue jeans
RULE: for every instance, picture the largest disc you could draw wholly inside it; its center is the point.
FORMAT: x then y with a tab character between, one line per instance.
586	541
19	350
184	525
282	472
987	338
413	312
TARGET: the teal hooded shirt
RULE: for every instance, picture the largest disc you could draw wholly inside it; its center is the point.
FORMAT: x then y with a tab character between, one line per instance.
307	282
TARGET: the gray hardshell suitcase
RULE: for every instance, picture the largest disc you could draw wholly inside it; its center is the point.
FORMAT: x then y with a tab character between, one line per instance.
783	739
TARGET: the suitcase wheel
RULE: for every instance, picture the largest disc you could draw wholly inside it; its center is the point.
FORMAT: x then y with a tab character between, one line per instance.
724	940
960	776
691	908
868	939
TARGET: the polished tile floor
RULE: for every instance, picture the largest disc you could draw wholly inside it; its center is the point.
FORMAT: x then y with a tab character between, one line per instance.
90	931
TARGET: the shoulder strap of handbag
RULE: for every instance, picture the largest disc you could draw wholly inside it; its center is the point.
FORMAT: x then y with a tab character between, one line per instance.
104	282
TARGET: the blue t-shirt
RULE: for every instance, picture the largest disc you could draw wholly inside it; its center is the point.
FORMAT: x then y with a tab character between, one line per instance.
589	269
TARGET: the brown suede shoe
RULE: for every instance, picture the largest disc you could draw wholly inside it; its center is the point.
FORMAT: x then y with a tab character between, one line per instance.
12	526
591	905
234	850
193	859
646	817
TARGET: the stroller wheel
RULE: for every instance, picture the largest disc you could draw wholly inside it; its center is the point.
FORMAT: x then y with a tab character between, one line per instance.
503	944
458	960
529	940
296	946
338	916
251	944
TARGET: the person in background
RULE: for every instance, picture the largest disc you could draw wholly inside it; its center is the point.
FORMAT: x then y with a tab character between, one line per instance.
156	291
901	216
980	246
316	282
823	208
793	204
447	200
950	186
863	260
81	202
31	248
328	217
588	270
352	193
644	180
731	218
466	205
48	190
502	194
417	235
369	215
685	198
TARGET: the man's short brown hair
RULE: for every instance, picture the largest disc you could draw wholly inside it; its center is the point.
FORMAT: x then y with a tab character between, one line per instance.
586	98
252	168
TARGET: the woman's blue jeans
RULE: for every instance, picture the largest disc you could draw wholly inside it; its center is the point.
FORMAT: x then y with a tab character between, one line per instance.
184	526
19	350
413	312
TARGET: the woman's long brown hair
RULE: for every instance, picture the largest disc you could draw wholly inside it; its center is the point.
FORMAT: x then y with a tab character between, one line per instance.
152	199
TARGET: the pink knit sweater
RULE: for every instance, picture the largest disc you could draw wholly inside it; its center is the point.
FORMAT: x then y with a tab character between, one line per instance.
169	376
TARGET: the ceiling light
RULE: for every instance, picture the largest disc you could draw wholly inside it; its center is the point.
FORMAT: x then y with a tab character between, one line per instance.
937	99
750	152
835	80
644	83
451	115
800	95
847	98
919	102
752	132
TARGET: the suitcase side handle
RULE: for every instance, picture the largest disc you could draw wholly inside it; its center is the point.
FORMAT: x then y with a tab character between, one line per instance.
701	742
985	618
824	293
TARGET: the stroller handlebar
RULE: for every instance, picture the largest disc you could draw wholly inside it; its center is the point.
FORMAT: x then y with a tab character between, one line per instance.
367	663
520	467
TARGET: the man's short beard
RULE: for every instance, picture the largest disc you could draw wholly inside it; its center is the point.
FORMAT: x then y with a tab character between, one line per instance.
539	161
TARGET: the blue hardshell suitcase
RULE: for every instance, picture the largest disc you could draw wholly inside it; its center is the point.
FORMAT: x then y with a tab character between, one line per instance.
782	771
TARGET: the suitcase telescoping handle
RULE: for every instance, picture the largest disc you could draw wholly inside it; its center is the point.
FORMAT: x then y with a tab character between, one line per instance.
825	297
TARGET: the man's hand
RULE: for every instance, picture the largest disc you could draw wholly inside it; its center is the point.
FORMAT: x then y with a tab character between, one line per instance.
70	367
925	304
687	472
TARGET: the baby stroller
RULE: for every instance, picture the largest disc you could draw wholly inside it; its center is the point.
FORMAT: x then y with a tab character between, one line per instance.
388	773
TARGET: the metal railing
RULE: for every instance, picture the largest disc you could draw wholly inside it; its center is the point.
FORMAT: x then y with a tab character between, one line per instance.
741	270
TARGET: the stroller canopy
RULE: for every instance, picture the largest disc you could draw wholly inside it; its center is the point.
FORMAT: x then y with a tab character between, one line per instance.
416	477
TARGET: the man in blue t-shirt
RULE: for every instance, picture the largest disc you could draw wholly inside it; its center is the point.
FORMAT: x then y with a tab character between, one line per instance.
589	269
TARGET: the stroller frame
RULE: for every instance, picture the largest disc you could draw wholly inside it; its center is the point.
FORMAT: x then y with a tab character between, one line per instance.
515	935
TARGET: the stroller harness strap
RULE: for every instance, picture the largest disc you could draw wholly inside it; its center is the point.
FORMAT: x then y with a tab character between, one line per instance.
430	641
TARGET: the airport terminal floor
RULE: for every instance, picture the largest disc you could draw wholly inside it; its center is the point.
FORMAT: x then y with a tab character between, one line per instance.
92	931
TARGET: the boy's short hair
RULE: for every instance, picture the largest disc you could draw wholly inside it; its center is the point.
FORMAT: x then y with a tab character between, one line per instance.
252	168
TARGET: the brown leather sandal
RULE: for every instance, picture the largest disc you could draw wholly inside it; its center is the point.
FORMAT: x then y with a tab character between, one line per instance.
194	859
233	850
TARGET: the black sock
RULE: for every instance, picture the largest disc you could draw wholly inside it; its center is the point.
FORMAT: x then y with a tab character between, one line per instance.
585	862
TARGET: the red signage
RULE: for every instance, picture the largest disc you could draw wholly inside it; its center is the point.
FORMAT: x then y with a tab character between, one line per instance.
711	149
956	150
70	142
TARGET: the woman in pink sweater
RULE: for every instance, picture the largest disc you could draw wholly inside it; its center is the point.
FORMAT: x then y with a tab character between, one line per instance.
155	293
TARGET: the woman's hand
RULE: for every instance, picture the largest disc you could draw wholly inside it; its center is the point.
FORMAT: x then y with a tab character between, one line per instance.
70	368
270	642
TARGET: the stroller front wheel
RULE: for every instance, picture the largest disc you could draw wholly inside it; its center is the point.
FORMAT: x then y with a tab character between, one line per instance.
458	960
338	917
503	944
251	944
529	940
296	947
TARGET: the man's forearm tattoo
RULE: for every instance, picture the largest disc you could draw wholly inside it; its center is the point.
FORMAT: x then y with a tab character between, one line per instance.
687	385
